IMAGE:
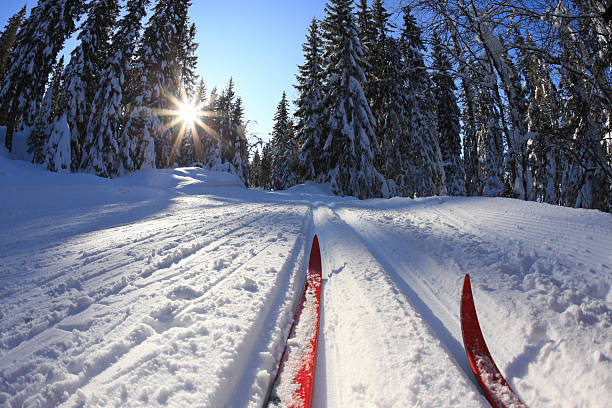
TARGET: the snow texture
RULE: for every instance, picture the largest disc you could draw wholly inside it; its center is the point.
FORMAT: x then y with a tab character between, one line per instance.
177	288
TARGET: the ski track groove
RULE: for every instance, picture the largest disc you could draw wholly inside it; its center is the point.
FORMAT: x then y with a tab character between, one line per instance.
84	279
225	242
450	344
357	292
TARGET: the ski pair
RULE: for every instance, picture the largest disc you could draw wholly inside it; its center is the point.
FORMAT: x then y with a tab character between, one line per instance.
301	375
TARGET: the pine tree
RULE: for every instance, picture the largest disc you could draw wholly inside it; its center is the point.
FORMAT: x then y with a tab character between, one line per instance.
40	39
212	147
351	141
106	152
49	141
255	173
58	99
310	127
241	160
83	76
283	148
229	126
160	65
39	136
426	174
447	113
388	91
265	175
7	41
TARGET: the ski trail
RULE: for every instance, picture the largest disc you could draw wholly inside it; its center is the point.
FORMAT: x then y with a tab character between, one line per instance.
367	357
427	246
173	331
444	322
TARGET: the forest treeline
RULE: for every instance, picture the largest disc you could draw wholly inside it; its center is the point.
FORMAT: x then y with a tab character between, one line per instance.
499	99
115	107
479	98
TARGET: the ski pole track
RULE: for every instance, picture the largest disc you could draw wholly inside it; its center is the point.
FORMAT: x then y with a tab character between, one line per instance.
431	247
260	233
367	317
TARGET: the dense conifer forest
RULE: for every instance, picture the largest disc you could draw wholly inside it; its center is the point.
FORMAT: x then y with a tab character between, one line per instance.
499	99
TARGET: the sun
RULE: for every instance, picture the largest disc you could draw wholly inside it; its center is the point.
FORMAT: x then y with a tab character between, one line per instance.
188	113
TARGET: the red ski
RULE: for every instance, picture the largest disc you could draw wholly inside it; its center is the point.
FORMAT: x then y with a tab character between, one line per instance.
295	378
495	387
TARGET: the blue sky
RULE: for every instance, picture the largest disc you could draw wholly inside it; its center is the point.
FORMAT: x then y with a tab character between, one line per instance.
257	42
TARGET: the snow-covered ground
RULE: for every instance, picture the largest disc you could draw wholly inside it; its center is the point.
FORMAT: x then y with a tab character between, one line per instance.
177	288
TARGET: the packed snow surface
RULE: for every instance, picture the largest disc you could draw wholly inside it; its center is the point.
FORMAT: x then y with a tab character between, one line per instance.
177	288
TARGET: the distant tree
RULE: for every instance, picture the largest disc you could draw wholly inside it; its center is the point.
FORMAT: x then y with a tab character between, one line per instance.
283	147
229	126
265	175
39	40
255	173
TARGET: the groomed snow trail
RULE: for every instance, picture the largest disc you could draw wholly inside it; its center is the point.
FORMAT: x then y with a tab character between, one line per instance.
177	288
376	350
541	278
181	307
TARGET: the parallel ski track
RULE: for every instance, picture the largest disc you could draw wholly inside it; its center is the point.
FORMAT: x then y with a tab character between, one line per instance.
256	229
420	296
408	349
98	281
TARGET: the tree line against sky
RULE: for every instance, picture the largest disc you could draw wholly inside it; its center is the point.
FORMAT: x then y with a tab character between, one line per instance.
502	98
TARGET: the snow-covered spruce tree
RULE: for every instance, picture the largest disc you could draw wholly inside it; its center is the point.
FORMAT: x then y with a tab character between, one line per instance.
228	124
39	136
160	63
447	113
49	109
426	175
265	175
39	40
351	141
7	41
283	148
106	153
49	141
212	146
255	172
87	63
241	160
309	126
367	36
387	97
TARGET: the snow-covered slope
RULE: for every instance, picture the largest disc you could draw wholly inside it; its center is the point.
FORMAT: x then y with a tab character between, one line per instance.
177	287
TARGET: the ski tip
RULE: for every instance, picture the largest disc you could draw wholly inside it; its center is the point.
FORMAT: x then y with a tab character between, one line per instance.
315	242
